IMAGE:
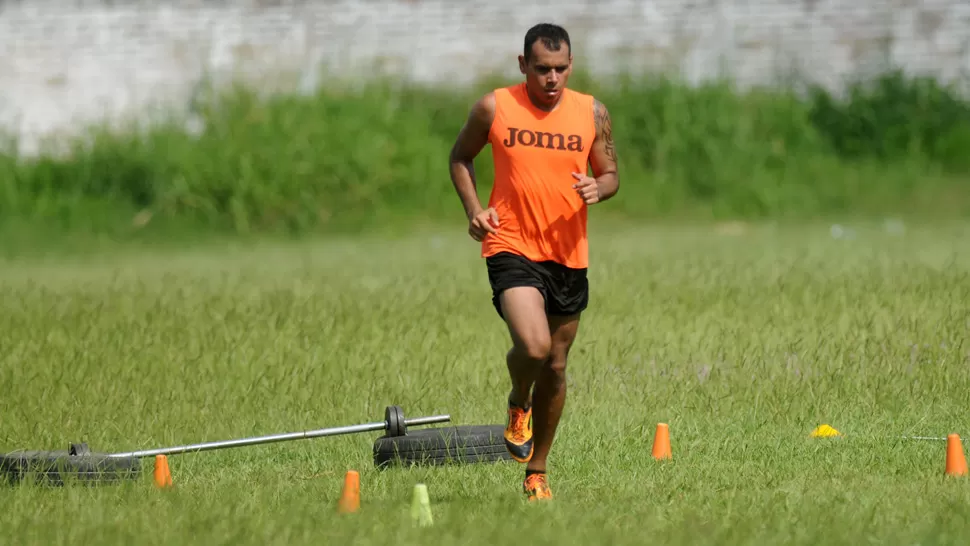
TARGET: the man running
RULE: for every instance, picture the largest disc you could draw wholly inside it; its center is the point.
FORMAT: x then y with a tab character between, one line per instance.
533	232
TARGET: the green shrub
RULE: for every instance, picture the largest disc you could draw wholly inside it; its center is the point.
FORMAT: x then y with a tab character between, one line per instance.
377	155
893	117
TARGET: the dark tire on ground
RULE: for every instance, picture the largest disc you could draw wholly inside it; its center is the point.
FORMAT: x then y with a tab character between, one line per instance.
61	467
442	446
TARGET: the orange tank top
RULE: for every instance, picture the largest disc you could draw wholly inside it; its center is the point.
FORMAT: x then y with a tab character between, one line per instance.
535	153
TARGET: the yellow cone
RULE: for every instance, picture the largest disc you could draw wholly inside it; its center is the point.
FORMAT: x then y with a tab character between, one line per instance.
421	506
825	431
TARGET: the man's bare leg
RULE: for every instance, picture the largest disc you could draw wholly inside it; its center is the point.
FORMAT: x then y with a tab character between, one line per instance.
537	360
550	389
525	315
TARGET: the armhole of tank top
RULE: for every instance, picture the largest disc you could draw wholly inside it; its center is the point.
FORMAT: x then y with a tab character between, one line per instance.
495	114
592	114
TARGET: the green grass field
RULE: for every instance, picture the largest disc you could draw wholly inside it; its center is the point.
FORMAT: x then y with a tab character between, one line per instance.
742	342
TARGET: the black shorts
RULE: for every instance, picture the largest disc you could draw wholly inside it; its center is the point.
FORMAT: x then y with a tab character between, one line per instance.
565	289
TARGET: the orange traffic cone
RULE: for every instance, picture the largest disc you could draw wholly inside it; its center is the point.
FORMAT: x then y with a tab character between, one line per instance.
163	476
661	442
350	496
956	461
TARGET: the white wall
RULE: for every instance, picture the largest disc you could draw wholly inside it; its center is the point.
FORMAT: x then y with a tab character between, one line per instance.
63	62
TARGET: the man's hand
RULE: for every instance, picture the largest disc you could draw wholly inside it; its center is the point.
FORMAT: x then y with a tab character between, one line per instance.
587	187
484	222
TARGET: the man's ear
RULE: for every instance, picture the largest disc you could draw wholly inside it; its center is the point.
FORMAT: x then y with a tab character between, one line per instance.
522	64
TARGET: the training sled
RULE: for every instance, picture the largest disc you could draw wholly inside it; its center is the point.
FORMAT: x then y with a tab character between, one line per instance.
443	446
430	446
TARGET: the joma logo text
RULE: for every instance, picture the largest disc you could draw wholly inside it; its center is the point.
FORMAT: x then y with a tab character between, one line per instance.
539	139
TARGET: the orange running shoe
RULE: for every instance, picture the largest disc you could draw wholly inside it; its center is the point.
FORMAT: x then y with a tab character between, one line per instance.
518	433
536	487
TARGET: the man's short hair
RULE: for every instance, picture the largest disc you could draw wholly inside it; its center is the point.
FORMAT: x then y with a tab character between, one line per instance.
552	36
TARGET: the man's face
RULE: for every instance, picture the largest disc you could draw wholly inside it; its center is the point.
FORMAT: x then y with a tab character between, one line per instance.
546	72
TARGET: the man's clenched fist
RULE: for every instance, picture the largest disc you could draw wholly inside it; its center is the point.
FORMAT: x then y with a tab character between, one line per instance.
587	188
484	222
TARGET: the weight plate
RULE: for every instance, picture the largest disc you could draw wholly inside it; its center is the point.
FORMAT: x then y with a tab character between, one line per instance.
394	420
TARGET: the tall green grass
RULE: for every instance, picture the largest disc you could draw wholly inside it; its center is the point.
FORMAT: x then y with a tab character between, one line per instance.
377	155
742	343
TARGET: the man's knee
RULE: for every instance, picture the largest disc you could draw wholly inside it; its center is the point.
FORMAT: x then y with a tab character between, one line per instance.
556	363
536	347
561	342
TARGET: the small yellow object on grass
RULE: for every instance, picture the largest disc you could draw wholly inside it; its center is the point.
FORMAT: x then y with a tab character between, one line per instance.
824	431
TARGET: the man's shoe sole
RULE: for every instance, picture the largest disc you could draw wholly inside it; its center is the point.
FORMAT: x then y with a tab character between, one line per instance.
515	451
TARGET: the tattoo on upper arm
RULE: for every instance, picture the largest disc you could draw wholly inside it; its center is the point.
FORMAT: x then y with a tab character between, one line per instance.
604	127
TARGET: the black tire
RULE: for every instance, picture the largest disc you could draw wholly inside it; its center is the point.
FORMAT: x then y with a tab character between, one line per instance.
60	467
442	446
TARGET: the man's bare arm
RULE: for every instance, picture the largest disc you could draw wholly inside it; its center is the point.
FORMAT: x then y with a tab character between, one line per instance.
471	139
602	157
